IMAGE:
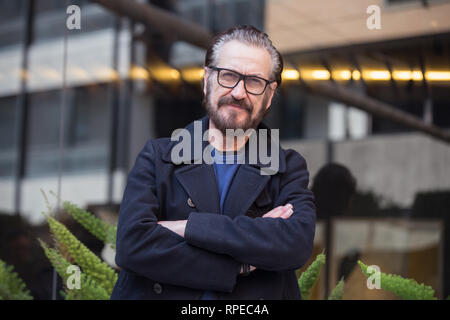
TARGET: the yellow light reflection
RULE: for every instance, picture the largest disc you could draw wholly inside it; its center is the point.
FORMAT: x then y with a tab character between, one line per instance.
321	74
194	74
407	75
370	75
437	75
417	75
22	74
106	73
139	73
165	74
290	74
376	75
49	73
174	74
317	74
79	73
342	75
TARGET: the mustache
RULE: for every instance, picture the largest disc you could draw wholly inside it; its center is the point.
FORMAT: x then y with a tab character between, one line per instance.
231	100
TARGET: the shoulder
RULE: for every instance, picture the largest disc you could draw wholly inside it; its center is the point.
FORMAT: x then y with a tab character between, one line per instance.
294	160
156	146
296	168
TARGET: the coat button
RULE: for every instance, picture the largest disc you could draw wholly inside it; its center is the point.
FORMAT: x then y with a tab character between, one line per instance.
190	203
157	288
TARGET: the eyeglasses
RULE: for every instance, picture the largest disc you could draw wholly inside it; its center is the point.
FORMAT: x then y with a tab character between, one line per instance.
229	79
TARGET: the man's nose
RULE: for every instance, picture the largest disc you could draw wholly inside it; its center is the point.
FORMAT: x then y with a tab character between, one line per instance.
239	92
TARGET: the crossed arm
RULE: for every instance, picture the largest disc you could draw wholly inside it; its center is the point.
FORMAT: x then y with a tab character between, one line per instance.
207	250
179	226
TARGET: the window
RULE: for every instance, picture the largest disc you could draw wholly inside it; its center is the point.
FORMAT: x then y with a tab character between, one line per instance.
50	18
7	133
12	22
86	136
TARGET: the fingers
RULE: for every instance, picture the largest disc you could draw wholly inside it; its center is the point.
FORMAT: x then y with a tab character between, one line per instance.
287	214
287	211
280	212
276	212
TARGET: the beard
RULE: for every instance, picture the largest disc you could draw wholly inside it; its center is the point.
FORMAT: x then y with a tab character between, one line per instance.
231	119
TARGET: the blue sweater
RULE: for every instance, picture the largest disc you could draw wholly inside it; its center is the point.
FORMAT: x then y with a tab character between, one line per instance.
225	167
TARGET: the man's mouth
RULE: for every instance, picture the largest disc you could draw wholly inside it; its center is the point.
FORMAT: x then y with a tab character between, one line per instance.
234	106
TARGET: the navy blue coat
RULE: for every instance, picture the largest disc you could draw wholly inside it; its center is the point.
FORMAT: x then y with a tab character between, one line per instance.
157	263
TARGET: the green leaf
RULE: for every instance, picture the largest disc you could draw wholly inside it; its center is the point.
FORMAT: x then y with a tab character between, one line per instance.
309	277
407	289
90	264
12	287
89	288
98	228
101	230
338	291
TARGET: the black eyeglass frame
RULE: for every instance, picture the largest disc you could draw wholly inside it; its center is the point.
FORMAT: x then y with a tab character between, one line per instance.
241	77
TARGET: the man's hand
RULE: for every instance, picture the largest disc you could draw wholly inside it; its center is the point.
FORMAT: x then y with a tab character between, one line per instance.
177	226
283	212
251	269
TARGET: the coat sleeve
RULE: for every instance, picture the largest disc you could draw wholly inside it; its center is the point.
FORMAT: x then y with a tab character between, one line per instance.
148	249
272	244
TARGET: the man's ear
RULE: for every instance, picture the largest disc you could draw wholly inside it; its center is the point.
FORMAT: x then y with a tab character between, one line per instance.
273	87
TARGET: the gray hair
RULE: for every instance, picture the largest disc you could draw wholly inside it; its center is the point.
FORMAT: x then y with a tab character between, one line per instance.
251	36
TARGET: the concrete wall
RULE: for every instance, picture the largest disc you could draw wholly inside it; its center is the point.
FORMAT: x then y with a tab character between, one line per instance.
393	166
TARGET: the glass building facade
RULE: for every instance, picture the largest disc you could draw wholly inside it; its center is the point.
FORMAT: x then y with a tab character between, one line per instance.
76	107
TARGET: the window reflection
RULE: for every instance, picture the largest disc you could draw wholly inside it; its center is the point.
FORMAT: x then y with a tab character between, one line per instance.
86	129
405	247
7	127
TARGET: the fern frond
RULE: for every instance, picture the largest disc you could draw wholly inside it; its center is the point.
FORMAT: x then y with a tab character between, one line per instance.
89	288
102	231
309	277
407	289
338	291
12	287
90	264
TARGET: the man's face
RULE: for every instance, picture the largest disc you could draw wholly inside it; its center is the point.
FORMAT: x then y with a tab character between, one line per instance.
236	108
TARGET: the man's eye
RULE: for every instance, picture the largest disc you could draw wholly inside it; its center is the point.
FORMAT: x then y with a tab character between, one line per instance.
254	82
229	75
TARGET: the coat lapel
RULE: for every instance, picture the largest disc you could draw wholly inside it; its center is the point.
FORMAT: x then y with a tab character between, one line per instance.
197	178
199	182
245	188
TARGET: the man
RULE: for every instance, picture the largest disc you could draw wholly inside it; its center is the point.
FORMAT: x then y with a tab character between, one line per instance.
194	230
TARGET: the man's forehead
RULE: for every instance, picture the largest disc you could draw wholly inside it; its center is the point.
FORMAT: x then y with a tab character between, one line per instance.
245	58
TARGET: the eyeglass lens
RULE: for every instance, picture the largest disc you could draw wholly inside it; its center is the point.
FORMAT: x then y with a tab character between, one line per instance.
229	79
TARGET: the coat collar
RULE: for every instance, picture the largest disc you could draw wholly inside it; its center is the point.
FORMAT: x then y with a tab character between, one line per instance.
194	156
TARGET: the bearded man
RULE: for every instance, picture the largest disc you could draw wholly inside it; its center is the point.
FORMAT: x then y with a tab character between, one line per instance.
221	230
